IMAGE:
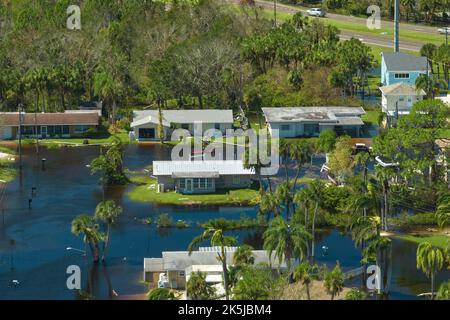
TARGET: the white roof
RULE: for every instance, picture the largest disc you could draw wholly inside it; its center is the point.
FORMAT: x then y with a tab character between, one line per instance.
221	167
402	89
312	114
182	116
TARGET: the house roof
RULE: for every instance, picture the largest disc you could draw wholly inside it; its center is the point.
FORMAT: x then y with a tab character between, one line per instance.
181	260
400	61
200	169
11	119
312	114
402	89
182	116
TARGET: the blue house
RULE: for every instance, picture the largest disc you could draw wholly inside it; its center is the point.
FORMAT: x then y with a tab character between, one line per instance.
400	67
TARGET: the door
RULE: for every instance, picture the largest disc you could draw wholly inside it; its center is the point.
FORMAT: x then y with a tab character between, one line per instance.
147	133
189	185
44	132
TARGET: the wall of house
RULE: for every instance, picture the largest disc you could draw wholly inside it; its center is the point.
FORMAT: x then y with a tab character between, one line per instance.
168	182
73	133
6	133
177	279
405	102
234	182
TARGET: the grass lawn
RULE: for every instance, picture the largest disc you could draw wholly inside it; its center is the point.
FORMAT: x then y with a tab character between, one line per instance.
146	191
7	174
440	241
371	116
123	136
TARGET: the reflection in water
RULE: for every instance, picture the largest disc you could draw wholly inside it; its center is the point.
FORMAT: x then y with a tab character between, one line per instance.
38	258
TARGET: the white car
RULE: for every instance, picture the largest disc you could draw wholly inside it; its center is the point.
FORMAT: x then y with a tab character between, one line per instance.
316	12
444	30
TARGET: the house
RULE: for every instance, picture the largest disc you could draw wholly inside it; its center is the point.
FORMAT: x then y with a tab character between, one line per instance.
311	121
400	67
397	99
47	125
174	268
146	122
200	177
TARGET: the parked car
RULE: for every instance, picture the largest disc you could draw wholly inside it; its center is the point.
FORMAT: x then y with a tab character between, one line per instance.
444	30
316	12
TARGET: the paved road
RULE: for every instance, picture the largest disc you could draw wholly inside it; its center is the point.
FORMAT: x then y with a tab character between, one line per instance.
380	40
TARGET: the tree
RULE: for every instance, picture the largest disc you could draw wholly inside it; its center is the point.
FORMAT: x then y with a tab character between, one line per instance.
198	288
334	281
107	212
161	294
430	260
215	233
161	129
315	193
287	241
304	273
341	160
257	283
243	256
327	140
108	86
444	291
355	294
432	85
87	226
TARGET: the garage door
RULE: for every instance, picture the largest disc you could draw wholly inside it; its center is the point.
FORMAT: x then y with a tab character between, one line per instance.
147	133
5	133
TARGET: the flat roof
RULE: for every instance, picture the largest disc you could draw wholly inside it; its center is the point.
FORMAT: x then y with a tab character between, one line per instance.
142	117
200	169
311	114
11	119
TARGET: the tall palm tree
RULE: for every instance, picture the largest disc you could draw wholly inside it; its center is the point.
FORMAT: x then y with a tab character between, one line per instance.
288	241
316	193
430	84
107	212
87	226
215	233
430	260
443	210
107	87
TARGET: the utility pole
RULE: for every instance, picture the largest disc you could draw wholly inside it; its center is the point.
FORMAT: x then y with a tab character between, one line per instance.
20	108
396	31
275	12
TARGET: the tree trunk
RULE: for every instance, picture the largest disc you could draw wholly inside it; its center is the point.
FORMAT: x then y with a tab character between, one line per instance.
225	273
313	233
433	284
307	292
106	243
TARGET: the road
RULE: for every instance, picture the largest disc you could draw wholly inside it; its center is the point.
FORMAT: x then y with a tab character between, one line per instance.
370	39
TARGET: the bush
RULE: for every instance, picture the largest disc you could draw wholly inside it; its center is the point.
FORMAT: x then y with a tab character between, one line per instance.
89	133
164	221
182	224
124	124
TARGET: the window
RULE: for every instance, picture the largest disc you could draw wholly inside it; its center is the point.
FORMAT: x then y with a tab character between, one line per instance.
58	130
217	126
311	129
402	76
80	129
285	127
236	180
209	183
401	99
196	183
202	183
182	183
181	273
65	130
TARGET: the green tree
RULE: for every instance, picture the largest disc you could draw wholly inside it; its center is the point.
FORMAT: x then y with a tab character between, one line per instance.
327	141
305	273
334	281
287	241
161	294
444	291
87	226
355	294
198	288
430	260
215	233
108	212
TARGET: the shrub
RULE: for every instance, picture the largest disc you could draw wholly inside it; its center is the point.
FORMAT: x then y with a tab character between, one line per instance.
164	221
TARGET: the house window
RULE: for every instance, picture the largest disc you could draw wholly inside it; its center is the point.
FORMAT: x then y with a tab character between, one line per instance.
402	76
217	126
209	183
285	127
80	129
196	183
65	130
311	129
236	180
181	273
182	183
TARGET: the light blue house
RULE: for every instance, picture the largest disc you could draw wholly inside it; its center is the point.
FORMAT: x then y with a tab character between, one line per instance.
400	67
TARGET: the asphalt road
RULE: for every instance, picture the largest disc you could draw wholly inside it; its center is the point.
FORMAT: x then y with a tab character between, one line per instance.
380	40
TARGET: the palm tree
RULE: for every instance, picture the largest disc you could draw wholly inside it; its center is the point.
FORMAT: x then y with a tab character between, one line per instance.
288	241
198	289
243	256
304	273
161	294
430	84
316	193
428	50
430	260
107	87
334	281
87	226
107	212
215	233
444	291
443	210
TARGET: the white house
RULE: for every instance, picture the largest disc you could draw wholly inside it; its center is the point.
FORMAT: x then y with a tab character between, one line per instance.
196	177
311	121
397	99
146	122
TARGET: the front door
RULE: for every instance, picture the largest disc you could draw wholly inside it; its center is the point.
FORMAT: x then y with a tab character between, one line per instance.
189	185
44	132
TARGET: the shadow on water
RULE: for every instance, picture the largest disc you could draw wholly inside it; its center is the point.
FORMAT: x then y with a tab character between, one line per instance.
33	243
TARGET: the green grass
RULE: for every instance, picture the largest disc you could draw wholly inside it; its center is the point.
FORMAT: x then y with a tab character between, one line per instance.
6	150
440	241
146	191
7	174
123	136
371	117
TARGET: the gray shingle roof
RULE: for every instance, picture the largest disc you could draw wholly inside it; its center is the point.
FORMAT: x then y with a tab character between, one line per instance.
183	116
400	61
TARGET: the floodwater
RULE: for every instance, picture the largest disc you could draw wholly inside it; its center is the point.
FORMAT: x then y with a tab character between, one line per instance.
34	242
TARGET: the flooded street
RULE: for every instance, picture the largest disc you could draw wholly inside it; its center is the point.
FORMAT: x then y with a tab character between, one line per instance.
34	242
